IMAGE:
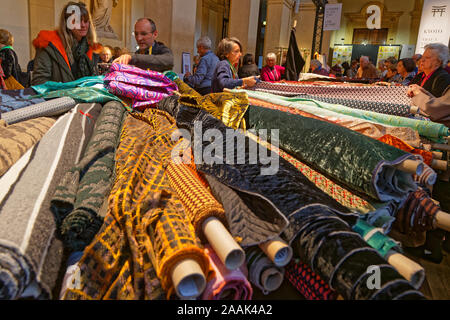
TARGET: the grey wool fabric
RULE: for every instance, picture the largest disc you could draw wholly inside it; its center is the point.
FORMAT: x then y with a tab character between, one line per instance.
50	108
30	255
85	187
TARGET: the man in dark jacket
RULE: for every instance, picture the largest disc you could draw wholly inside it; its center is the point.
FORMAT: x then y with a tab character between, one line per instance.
152	54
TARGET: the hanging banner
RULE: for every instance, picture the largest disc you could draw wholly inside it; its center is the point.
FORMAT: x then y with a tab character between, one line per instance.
435	24
332	16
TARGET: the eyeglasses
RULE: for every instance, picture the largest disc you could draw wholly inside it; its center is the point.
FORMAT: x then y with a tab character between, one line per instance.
144	34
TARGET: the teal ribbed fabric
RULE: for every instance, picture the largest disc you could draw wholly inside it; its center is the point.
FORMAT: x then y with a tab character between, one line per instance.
380	242
80	83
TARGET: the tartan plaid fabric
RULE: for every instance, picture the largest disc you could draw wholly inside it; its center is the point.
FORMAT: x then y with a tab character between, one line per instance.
308	283
338	193
146	231
197	200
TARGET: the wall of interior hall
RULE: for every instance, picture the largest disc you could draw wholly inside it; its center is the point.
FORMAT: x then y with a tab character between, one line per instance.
404	33
14	18
244	15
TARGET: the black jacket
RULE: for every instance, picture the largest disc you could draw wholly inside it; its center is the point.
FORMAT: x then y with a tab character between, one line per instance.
248	70
438	82
160	60
11	67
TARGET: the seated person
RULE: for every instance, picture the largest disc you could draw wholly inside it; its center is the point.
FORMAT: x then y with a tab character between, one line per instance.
69	53
316	67
392	76
366	69
152	54
405	68
271	71
106	55
248	68
437	109
225	75
434	59
201	79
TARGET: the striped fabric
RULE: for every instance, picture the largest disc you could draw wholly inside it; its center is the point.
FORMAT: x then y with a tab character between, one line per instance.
16	139
146	230
30	256
15	99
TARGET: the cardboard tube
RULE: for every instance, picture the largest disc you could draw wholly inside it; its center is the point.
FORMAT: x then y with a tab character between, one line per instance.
226	248
271	279
410	166
188	279
439	146
442	220
439	165
410	270
437	155
414	109
278	251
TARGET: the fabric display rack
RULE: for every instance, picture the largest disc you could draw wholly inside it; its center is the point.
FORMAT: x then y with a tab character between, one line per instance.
98	200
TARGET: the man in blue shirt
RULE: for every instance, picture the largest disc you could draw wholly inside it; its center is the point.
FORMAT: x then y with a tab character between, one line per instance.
201	79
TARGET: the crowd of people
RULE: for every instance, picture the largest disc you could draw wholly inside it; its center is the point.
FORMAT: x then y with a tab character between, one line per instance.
67	54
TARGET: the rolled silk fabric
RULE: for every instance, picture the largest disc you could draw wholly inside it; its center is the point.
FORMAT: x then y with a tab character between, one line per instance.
427	129
30	255
145	88
226	285
368	128
83	189
80	83
18	138
355	161
375	238
15	99
309	284
45	109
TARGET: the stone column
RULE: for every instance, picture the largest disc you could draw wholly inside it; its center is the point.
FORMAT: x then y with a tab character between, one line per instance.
244	15
279	23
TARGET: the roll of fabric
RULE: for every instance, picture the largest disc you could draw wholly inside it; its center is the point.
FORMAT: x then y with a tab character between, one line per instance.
184	88
80	83
227	107
15	99
45	109
83	189
382	94
414	219
427	129
309	284
298	200
199	204
146	231
376	238
342	258
145	88
82	95
17	139
226	285
30	255
355	161
368	128
262	272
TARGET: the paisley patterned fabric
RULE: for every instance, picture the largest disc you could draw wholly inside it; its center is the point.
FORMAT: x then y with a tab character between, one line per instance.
145	88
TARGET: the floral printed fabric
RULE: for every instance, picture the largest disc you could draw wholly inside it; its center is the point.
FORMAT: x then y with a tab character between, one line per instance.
145	88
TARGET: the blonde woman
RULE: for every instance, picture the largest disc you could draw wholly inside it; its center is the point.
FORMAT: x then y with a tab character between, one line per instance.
69	53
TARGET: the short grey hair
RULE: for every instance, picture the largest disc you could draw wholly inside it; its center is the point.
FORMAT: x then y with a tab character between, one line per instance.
365	58
271	55
204	42
441	50
316	63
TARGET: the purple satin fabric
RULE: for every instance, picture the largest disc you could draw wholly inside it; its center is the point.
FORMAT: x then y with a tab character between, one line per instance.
144	88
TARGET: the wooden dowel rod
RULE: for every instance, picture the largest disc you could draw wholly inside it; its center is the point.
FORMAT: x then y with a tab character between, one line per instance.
277	251
409	269
442	220
226	248
188	279
411	166
437	155
439	165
